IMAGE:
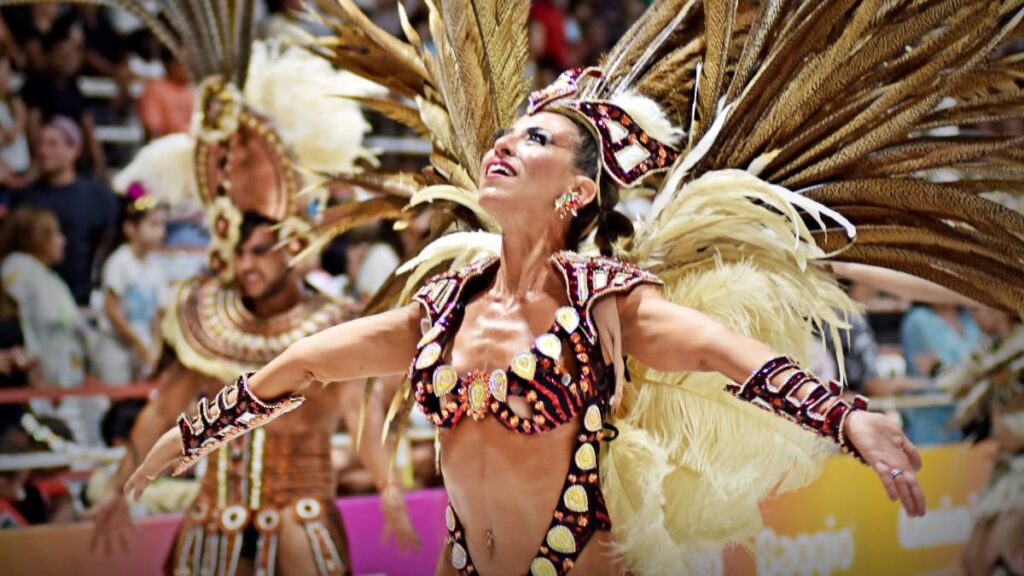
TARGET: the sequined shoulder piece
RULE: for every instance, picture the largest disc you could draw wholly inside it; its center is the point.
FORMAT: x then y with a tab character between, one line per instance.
213	333
440	293
590	278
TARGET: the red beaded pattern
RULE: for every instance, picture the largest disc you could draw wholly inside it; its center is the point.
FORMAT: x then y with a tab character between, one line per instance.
209	431
598	114
659	156
810	412
565	86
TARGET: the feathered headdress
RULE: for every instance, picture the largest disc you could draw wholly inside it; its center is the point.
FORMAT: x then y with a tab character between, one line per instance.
748	121
992	379
837	102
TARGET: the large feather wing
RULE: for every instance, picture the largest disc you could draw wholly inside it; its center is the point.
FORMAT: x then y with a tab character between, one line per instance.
875	109
691	464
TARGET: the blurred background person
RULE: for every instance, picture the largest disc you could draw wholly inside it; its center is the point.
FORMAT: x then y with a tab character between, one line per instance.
54	330
85	209
54	91
937	337
52	325
14	151
132	293
165	106
33	497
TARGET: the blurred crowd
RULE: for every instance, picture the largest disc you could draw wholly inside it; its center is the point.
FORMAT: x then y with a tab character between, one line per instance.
84	280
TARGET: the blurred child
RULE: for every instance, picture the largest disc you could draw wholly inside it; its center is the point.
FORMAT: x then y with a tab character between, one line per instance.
133	289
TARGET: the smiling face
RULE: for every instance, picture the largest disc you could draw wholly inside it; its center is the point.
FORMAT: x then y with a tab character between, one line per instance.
530	165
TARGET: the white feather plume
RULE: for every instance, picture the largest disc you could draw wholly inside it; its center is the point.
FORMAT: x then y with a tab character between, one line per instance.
649	116
165	168
303	95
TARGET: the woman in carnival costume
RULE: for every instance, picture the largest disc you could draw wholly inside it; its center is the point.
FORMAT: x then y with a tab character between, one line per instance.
258	157
621	411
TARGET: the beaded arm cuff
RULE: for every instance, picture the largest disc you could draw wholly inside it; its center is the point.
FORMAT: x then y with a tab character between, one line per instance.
230	415
822	410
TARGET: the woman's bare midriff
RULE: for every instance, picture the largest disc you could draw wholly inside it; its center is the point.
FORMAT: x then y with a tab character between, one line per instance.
504	488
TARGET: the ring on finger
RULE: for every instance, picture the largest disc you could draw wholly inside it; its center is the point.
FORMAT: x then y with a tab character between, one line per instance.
895	473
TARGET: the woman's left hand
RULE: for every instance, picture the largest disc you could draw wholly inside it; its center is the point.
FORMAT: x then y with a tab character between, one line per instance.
885	447
162	455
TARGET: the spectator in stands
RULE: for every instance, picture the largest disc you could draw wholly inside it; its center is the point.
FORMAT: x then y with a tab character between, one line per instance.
170	494
104	47
166	104
29	26
994	324
372	256
56	93
86	210
860	363
937	337
144	55
548	32
129	343
52	325
31	497
14	153
16	368
9	44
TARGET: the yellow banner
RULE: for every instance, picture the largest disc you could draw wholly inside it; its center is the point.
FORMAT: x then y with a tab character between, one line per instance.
845	524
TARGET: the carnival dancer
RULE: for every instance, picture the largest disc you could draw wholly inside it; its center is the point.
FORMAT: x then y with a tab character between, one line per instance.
266	504
990	388
740	122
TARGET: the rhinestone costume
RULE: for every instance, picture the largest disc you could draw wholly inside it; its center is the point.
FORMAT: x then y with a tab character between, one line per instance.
557	395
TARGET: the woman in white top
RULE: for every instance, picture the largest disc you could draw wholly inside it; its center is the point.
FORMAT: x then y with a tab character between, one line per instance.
52	325
51	322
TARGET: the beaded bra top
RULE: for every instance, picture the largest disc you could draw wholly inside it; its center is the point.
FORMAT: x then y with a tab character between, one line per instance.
555	394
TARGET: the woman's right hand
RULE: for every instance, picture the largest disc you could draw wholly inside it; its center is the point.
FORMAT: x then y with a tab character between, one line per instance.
164	453
112	522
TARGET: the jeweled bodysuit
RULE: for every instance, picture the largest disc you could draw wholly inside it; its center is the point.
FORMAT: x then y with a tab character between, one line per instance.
557	389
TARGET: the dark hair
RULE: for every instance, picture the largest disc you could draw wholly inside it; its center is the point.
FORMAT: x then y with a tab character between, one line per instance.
611	224
250	222
118	421
60	32
166	56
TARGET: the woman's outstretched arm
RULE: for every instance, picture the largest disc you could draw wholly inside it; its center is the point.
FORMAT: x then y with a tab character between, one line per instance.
671	338
379	345
369	347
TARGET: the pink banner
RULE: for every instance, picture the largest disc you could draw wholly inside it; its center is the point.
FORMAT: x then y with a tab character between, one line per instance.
65	549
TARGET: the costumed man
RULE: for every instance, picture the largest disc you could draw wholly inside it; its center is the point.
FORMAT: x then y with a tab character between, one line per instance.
266	503
991	407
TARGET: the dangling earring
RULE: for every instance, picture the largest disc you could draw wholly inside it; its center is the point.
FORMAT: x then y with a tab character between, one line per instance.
567	204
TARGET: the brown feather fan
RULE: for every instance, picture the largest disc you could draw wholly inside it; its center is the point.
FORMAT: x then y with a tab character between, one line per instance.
868	107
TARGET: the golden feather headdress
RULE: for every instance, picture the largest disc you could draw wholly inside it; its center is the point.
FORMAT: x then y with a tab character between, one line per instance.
838	102
863	118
